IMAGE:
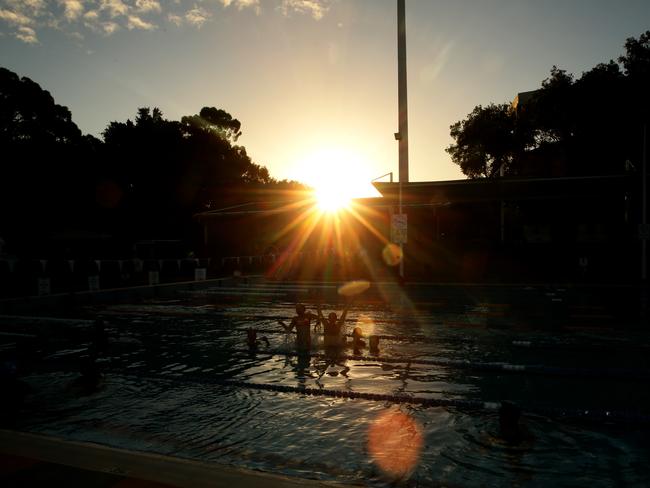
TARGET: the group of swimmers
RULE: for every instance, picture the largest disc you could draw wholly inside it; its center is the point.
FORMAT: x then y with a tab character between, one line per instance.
333	328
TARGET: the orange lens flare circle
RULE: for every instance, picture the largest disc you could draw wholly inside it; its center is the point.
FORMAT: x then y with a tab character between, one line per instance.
392	254
394	443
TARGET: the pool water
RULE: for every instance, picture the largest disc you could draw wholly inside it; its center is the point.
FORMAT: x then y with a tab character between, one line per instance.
164	392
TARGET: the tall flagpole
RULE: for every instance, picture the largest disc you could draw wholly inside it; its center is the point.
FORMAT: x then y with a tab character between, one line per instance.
401	89
403	135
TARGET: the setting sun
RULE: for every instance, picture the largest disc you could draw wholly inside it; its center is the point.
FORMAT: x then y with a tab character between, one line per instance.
337	175
328	199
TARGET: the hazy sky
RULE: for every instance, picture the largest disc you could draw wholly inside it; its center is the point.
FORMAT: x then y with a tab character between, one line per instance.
314	82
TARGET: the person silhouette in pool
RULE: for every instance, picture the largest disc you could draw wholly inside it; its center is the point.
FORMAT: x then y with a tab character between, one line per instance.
253	342
510	428
357	341
302	323
333	327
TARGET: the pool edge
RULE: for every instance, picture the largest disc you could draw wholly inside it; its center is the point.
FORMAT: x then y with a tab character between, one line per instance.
142	465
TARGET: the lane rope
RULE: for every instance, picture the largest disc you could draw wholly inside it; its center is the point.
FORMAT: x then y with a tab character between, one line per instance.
629	374
579	414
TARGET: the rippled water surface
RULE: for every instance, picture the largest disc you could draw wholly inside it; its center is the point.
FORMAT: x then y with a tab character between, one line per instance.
164	393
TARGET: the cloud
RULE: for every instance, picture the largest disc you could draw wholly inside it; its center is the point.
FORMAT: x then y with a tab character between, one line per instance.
14	18
34	5
72	9
109	28
175	19
31	7
115	8
27	34
135	22
91	15
105	17
316	8
242	4
145	6
197	17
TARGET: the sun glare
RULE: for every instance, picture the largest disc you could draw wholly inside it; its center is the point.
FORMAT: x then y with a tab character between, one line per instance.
337	176
329	200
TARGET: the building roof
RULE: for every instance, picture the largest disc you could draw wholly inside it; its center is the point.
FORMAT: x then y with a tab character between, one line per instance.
274	207
494	189
522	98
437	193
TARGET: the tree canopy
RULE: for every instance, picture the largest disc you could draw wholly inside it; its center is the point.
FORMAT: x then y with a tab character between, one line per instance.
167	170
43	163
568	127
28	113
144	179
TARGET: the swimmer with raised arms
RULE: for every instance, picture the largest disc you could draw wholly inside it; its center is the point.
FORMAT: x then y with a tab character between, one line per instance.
334	327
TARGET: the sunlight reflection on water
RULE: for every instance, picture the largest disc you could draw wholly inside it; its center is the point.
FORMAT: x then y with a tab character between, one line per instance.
158	397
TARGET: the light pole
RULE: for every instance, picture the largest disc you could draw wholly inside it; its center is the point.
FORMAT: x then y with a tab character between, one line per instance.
402	94
403	134
644	209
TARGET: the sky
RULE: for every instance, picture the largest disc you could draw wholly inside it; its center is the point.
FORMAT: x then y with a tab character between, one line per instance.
313	82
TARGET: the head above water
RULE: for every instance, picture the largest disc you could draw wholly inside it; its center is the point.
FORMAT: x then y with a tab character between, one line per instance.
509	415
300	309
332	317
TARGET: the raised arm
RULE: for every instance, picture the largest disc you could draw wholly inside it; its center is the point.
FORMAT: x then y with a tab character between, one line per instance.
344	314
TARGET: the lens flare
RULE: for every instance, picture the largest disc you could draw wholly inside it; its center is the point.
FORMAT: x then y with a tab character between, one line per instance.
394	443
367	324
354	288
392	254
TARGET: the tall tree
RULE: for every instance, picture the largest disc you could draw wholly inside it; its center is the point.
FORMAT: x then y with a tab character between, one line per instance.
587	126
168	170
45	173
485	141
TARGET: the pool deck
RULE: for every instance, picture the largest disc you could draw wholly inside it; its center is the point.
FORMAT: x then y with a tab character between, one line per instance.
38	461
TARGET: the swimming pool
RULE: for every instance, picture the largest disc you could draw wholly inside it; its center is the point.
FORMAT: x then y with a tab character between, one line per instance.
178	369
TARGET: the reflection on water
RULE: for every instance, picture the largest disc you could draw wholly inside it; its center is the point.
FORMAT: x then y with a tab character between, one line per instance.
161	394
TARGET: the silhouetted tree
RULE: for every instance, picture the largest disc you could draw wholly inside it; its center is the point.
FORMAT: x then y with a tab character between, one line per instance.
28	113
485	140
146	178
46	174
591	125
169	170
216	121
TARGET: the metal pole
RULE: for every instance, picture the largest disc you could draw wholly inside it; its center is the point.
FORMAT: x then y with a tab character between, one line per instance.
503	209
401	246
403	111
402	96
644	206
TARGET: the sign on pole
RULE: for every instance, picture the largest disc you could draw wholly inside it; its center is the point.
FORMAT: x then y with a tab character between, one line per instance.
398	229
44	287
154	278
